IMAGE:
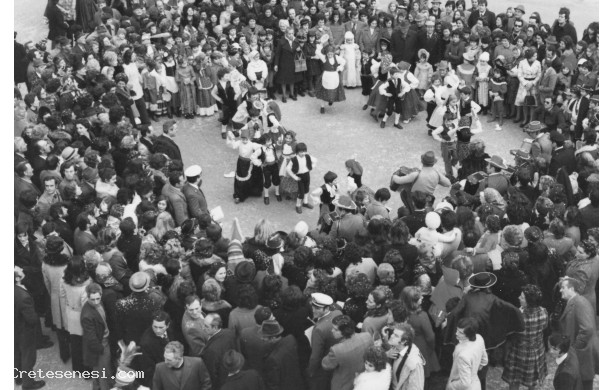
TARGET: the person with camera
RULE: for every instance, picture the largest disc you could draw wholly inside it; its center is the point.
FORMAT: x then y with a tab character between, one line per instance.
346	222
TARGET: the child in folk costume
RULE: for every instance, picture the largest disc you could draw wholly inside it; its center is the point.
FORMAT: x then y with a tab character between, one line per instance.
226	97
153	87
431	96
411	104
327	194
248	178
349	50
377	102
257	71
267	55
447	101
355	171
267	158
464	137
497	91
330	88
467	106
483	70
254	125
423	72
446	135
185	78
313	65
395	90
299	168
288	187
368	74
169	72
465	71
205	101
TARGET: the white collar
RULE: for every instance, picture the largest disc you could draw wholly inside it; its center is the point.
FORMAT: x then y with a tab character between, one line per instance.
403	352
560	359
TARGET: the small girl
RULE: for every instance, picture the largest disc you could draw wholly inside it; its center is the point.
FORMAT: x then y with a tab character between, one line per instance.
313	65
288	186
185	78
205	101
466	70
473	48
411	105
431	96
482	81
428	235
355	171
423	72
368	74
446	135
497	90
352	55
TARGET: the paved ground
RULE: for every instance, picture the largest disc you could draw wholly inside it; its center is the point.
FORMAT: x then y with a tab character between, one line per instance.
343	132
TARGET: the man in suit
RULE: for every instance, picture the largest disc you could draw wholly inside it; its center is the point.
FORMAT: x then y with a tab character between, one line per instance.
219	340
96	350
26	323
237	379
196	201
483	13
541	146
178	372
346	358
172	189
281	366
407	369
589	215
253	347
470	358
165	144
38	160
428	40
321	340
354	25
567	376
578	323
404	43
23	180
561	156
551	115
416	219
152	345
582	105
20	148
84	240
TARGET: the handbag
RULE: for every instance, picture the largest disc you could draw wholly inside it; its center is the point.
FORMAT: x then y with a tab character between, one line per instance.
300	63
530	100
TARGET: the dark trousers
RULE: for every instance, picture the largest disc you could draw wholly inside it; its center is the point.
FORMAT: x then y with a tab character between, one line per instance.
25	353
63	339
76	351
303	184
449	155
142	110
482	375
270	174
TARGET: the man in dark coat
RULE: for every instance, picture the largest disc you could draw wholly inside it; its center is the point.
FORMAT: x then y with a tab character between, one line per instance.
23	180
428	40
483	13
134	313
129	243
404	43
218	342
589	215
26	322
21	61
178	372
238	379
84	240
196	201
562	26
561	156
253	347
551	116
57	26
85	12
322	340
38	160
165	144
96	349
172	189
567	376
152	345
416	219
281	366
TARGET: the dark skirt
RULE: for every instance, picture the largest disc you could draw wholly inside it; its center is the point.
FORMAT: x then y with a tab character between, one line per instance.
248	180
513	84
463	150
367	82
411	105
330	95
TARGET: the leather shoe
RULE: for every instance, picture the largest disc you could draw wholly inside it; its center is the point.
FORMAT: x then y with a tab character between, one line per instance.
382	124
398	126
34	385
308	205
284	99
298	209
322	110
236	200
266	200
293	97
301	93
224	135
365	107
279	198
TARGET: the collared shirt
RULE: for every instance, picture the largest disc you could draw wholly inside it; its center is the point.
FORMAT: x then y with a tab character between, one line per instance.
560	359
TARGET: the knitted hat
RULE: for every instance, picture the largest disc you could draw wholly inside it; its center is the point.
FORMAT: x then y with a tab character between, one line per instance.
245	272
432	220
301	228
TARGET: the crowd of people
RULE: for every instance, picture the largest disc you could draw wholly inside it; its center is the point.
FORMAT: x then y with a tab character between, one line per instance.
117	251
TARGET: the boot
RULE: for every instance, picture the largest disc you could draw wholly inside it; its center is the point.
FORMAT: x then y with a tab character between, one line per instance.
170	109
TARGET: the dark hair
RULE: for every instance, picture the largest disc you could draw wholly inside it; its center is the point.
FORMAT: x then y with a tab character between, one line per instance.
398	311
469	326
324	260
448	219
75	272
301	147
470	238
533	295
382	195
93	288
160	315
292	298
82	220
560	341
345	325
399	233
377	357
247	297
352	254
127	227
28	198
566	12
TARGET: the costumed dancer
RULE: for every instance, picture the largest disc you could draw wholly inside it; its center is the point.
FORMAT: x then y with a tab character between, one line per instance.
377	102
446	135
299	168
464	137
411	104
394	89
497	90
369	73
205	101
349	50
288	187
248	178
355	171
431	97
313	65
447	101
483	70
257	71
326	194
168	55
185	78
227	99
423	71
330	88
467	106
267	158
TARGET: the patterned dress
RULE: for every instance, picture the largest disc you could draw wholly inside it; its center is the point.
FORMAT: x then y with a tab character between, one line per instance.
525	362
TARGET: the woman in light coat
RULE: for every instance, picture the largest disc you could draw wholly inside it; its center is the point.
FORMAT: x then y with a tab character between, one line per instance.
377	374
469	357
72	299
